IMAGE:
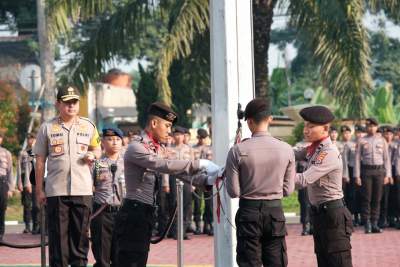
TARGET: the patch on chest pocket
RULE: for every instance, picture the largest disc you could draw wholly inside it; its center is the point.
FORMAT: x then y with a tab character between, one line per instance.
57	150
319	158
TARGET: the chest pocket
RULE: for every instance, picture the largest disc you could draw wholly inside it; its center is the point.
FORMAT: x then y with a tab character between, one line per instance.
379	148
82	143
186	155
56	147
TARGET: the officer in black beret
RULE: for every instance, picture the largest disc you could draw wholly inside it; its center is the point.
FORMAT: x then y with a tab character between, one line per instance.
323	178
260	172
144	161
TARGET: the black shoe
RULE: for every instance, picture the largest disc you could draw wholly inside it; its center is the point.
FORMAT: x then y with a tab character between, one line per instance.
186	237
206	229
27	229
368	227
211	231
375	228
197	231
306	229
189	229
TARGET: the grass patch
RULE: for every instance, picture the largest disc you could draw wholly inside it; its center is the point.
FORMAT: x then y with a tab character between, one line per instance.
14	209
291	204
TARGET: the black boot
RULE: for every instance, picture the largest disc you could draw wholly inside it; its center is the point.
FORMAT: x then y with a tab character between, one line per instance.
27	228
198	229
206	229
211	232
375	228
367	227
306	229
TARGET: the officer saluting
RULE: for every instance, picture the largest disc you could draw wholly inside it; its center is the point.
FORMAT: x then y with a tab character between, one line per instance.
323	178
260	171
107	198
143	161
69	144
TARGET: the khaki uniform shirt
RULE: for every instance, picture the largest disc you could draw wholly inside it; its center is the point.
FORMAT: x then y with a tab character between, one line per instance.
24	168
323	175
202	152
143	161
261	167
6	170
372	150
67	173
396	158
107	192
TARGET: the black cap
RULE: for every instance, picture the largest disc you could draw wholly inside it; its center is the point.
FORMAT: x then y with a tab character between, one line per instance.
31	135
202	133
179	129
67	93
317	114
381	129
333	129
255	107
345	128
359	128
111	131
372	121
187	131
389	129
163	111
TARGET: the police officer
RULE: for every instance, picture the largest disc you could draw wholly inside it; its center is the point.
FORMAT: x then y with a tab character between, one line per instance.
372	170
260	171
203	151
323	179
7	182
181	151
334	135
302	194
70	144
26	174
144	158
107	198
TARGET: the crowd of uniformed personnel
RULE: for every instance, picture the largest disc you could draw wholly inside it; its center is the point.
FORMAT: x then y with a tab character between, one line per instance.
121	189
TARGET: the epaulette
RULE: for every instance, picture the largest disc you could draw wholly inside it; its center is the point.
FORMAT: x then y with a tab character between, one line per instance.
86	119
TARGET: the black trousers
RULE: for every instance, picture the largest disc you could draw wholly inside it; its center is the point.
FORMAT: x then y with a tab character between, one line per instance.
397	193
197	205
352	194
260	235
332	231
208	207
371	193
68	224
30	207
133	226
104	243
304	206
163	211
3	203
187	204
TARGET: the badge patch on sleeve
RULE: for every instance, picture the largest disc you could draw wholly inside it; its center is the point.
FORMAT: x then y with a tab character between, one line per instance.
320	158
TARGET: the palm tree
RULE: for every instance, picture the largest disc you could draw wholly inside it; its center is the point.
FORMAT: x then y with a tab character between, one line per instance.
338	38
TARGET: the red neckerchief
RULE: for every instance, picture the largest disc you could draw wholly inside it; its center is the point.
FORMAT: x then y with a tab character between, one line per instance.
311	148
154	141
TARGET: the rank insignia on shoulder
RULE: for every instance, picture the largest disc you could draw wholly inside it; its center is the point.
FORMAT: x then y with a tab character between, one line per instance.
321	156
55	128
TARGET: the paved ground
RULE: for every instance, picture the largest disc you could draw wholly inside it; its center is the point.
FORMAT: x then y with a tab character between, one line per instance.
379	250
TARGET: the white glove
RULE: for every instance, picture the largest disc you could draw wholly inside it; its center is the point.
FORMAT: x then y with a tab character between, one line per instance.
211	168
212	178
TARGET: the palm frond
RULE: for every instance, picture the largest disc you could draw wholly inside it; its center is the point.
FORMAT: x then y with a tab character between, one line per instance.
390	7
191	17
340	42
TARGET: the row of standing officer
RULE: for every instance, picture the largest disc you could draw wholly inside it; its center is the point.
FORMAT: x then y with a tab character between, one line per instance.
70	144
261	170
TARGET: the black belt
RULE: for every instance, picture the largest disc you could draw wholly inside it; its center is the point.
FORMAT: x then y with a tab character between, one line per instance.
137	204
260	203
333	204
108	208
372	167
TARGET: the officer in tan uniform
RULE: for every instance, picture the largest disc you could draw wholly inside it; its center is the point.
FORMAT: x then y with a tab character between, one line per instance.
203	151
323	178
7	183
107	197
26	174
181	151
144	159
69	143
260	171
372	170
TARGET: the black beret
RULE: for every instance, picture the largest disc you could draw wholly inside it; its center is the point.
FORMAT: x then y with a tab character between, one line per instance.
31	135
389	129
255	107
67	93
187	131
317	114
372	121
381	129
111	131
345	128
359	128
333	129
163	111
202	133
179	129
